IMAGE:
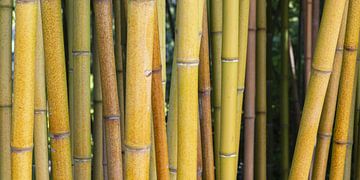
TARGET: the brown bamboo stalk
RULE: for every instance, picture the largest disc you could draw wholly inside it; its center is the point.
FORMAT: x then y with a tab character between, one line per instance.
5	87
56	89
199	169
111	112
40	109
315	21
153	173
249	101
308	40
158	110
328	112
346	92
205	103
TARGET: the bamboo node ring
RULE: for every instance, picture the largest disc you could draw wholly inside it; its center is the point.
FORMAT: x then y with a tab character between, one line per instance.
231	155
229	60
6	106
59	136
82	159
112	118
40	111
81	53
137	149
21	150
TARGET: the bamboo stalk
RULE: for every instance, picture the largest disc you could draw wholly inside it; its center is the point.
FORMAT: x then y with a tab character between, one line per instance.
5	87
315	21
321	70
205	102
348	74
308	40
153	173
229	69
111	112
24	90
249	100
260	106
138	87
81	56
56	89
216	45
98	170
158	110
119	49
357	116
328	112
199	168
162	35
40	109
187	60
243	42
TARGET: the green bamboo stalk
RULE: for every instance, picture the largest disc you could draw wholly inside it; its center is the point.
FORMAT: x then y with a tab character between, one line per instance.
321	71
347	79
260	106
22	124
216	44
40	109
357	116
81	56
56	89
111	110
328	112
5	87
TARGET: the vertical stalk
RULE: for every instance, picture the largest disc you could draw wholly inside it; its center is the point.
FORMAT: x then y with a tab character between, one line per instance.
328	112
199	169
315	21
56	89
308	40
249	100
243	42
140	35
158	110
229	74
346	92
153	174
98	170
81	56
284	85
187	60
321	70
24	90
357	116
5	87
162	35
111	112
119	49
260	122
40	109
216	41
205	102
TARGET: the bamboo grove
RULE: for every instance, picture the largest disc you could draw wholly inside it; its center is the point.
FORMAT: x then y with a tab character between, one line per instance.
179	89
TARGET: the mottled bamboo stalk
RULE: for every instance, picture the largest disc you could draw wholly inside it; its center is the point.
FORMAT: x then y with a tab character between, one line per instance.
111	112
346	92
5	87
205	102
328	112
40	109
321	70
59	129
22	124
140	35
249	100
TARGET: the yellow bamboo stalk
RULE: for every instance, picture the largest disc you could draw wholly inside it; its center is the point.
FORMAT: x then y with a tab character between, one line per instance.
322	65
205	102
56	89
187	60
229	69
243	42
346	93
140	37
5	87
328	112
162	35
98	170
81	57
111	112
40	109
24	90
157	99
260	106
216	44
119	49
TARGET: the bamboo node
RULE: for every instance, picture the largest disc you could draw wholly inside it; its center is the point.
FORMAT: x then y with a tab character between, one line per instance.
148	73
261	28
350	48
97	101
25	1
157	70
240	90
172	170
137	149
188	64
216	32
119	71
6	6
324	135
340	142
81	53
40	111
251	29
205	92
339	49
229	60
320	70
6	106
163	82
112	118
260	112
59	136
231	155
21	150
81	159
